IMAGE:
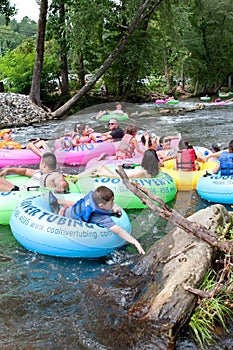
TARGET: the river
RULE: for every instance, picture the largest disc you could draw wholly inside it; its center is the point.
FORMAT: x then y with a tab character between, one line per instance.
44	300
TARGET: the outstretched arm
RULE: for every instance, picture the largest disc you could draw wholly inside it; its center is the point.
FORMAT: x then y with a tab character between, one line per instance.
127	237
19	171
216	154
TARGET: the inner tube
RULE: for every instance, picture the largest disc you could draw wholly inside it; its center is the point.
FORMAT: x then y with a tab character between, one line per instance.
161	185
39	230
107	117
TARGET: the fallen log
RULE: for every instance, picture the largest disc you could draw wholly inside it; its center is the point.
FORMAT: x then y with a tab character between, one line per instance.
175	266
148	304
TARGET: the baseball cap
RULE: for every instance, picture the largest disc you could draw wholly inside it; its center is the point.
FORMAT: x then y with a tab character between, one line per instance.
5	131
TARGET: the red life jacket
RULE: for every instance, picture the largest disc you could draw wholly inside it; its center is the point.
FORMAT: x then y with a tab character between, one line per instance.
188	157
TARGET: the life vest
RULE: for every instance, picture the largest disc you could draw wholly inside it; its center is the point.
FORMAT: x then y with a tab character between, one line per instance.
188	157
226	163
125	148
84	208
10	144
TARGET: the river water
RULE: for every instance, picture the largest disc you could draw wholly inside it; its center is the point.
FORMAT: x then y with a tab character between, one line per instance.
47	302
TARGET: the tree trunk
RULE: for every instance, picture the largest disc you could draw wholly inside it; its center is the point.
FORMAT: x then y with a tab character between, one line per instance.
167	75
174	264
65	89
81	70
147	6
38	65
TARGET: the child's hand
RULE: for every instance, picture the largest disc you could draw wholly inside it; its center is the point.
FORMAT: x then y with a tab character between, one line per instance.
116	211
139	248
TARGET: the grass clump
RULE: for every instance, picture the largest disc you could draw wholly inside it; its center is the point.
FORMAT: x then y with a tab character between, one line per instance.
215	297
211	312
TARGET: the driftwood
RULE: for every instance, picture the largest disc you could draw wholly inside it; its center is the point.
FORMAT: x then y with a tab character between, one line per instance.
173	216
174	268
150	302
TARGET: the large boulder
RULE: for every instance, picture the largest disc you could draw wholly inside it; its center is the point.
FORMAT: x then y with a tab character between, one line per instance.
18	110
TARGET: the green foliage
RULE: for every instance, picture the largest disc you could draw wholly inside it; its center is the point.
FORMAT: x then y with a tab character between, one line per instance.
13	34
190	38
16	67
7	10
213	309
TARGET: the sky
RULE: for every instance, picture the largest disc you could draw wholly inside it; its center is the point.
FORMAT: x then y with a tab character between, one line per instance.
28	8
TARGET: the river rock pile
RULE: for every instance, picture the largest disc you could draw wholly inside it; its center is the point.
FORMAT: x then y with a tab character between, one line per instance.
18	110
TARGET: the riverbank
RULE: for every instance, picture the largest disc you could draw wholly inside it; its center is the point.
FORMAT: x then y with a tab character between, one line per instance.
18	110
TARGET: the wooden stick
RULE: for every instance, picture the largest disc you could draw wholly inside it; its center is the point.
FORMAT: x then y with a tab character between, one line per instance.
219	285
173	216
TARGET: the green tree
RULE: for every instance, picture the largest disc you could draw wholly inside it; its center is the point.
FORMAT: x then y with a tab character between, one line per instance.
145	9
7	10
15	33
211	46
16	67
56	29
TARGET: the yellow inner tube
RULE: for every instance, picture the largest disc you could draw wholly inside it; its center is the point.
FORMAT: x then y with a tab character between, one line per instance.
186	180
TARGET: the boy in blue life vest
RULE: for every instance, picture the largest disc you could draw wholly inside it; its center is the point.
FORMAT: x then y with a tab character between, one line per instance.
95	207
225	164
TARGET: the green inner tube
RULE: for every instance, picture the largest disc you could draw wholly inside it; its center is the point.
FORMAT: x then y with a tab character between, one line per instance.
205	98
107	117
9	200
227	94
172	102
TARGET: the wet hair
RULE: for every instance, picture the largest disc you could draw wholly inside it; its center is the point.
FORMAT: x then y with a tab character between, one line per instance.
82	127
150	162
163	139
143	139
102	195
215	147
50	160
76	127
131	129
230	146
184	145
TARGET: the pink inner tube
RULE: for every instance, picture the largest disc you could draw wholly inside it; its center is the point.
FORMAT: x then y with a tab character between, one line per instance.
57	143
221	103
159	102
10	157
112	161
81	154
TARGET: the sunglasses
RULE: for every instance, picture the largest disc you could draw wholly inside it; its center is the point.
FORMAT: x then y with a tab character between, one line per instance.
111	123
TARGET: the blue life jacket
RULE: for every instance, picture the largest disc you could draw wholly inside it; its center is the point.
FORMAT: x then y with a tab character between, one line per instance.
84	208
226	163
